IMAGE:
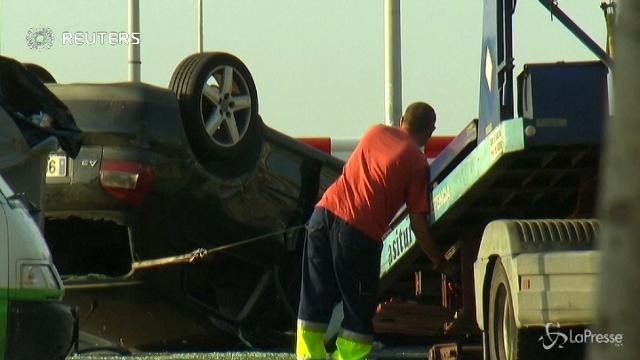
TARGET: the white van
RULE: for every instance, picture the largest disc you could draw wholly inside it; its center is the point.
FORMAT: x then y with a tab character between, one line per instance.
34	324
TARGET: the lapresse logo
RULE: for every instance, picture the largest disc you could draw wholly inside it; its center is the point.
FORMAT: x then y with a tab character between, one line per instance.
44	38
555	338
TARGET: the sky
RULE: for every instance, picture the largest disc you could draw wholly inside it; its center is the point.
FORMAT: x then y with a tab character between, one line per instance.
318	65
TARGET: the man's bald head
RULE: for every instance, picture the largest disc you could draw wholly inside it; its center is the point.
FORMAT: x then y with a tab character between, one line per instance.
419	118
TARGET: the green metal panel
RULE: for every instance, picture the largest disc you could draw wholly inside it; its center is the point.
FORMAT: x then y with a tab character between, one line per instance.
4	308
396	243
35	294
507	138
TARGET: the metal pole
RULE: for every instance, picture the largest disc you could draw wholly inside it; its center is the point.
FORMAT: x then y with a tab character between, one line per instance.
619	209
393	62
200	27
134	49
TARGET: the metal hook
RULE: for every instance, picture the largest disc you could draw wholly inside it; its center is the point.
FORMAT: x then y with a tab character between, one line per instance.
552	3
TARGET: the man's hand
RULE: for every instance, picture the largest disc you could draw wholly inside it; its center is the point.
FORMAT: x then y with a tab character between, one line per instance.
421	230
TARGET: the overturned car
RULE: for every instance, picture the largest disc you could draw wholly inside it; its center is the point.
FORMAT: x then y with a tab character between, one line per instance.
180	220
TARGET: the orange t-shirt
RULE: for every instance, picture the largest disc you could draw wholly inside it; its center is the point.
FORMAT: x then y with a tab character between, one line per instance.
385	171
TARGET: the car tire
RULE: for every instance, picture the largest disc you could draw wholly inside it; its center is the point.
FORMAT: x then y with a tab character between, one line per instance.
218	104
41	73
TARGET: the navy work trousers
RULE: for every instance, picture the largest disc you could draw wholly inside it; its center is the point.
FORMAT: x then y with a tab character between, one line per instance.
339	263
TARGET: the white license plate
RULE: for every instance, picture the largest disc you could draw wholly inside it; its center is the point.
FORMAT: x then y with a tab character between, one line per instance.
57	165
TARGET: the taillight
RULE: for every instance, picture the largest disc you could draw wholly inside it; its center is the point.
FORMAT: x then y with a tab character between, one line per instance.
126	181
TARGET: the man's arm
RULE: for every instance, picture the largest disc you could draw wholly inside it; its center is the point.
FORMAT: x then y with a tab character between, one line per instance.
421	230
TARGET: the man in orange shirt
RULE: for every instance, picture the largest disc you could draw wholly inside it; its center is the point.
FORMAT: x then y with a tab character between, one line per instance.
341	258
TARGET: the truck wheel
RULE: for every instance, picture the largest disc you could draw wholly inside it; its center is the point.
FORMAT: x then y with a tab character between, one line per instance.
506	341
218	105
41	73
503	334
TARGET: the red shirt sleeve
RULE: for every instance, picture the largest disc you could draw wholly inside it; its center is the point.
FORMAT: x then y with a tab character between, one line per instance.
417	194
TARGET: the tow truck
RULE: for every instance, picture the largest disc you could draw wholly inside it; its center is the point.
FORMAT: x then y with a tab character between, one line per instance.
512	205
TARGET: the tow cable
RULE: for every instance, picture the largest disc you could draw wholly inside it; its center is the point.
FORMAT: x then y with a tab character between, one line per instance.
188	258
201	253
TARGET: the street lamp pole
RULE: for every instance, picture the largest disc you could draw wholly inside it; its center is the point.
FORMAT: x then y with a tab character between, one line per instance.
393	62
200	27
134	49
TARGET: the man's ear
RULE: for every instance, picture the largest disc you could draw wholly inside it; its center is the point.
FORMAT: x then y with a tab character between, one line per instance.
401	120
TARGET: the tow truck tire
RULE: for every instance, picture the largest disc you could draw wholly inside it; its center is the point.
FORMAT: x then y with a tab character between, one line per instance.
218	104
506	342
41	73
